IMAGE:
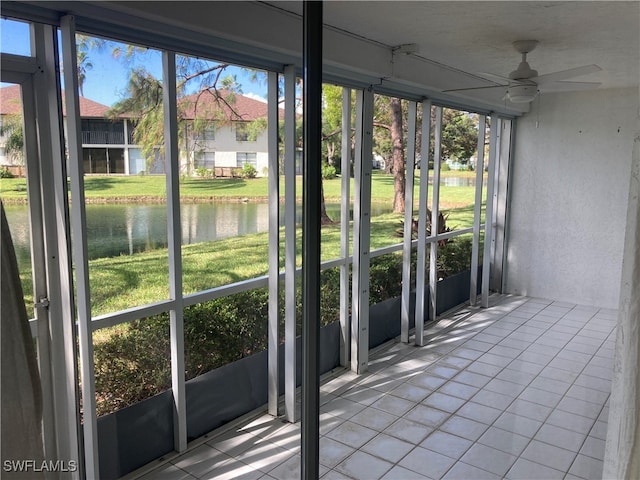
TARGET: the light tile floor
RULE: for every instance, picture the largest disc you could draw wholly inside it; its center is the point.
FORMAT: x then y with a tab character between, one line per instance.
516	391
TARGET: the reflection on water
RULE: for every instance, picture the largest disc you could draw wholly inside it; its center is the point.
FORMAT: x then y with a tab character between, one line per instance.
458	181
125	229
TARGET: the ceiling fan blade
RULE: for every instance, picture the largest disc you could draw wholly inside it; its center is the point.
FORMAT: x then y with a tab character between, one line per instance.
568	86
495	77
564	74
474	88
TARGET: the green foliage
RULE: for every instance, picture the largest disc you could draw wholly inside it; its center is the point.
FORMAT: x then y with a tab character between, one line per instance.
133	361
249	171
144	103
203	172
459	134
328	172
11	129
5	173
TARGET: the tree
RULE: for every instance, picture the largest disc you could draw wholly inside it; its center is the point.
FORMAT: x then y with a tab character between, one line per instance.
144	103
389	140
11	129
205	96
398	155
459	134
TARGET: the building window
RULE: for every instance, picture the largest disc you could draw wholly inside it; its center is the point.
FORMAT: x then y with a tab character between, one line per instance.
242	132
246	158
206	160
209	132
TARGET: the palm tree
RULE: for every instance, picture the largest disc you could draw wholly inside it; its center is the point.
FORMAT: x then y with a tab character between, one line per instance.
84	64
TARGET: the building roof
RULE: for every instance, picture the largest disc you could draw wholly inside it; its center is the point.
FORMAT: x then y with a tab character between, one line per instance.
226	105
10	104
223	105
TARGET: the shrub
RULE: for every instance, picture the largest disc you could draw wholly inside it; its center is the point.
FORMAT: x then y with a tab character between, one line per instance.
203	172
249	171
134	363
5	173
328	172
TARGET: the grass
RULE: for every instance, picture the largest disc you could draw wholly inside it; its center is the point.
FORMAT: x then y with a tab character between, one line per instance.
131	280
152	188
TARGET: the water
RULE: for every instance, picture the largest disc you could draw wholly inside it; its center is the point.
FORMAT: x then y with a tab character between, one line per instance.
458	181
126	229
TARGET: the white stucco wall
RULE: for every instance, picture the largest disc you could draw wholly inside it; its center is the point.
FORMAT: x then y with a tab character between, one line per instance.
569	192
225	147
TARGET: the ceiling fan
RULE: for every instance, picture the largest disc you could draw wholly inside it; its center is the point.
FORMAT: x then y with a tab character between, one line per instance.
524	84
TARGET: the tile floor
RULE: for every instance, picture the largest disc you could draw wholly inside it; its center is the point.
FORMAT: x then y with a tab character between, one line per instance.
516	391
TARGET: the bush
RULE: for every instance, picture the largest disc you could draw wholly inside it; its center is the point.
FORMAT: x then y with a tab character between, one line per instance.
249	171
5	173
134	363
203	172
328	172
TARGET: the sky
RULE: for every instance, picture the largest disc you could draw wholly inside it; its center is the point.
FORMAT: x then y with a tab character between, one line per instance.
106	80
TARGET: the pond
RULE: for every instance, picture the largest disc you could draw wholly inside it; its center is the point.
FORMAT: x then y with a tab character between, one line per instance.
125	229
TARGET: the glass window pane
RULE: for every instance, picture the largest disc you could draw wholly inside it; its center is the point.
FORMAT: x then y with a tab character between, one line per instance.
224	212
15	37
123	160
13	185
132	362
457	169
224	330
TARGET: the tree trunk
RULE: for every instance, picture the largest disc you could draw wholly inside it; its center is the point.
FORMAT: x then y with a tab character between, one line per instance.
398	155
324	218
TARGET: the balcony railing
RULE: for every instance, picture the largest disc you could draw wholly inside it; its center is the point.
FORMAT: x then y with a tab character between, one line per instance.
102	138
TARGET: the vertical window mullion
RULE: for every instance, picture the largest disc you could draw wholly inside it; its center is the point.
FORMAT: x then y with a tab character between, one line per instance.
274	241
80	248
477	210
344	227
422	224
362	231
290	241
408	223
435	213
488	217
174	239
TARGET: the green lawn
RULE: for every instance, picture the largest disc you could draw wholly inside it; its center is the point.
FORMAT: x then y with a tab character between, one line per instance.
152	188
131	280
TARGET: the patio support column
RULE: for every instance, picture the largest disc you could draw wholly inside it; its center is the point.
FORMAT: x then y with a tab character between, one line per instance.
435	213
80	249
504	148
311	196
174	240
274	240
488	217
64	352
408	223
421	265
622	450
345	171
477	210
361	231
290	362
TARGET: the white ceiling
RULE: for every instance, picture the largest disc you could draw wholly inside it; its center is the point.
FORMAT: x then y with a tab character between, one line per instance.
476	36
457	41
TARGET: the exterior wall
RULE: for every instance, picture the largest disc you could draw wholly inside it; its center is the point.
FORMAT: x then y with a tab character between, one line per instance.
225	147
570	183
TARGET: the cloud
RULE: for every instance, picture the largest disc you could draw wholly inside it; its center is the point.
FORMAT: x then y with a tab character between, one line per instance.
255	96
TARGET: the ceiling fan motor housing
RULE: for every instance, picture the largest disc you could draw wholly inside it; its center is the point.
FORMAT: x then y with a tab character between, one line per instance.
522	93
